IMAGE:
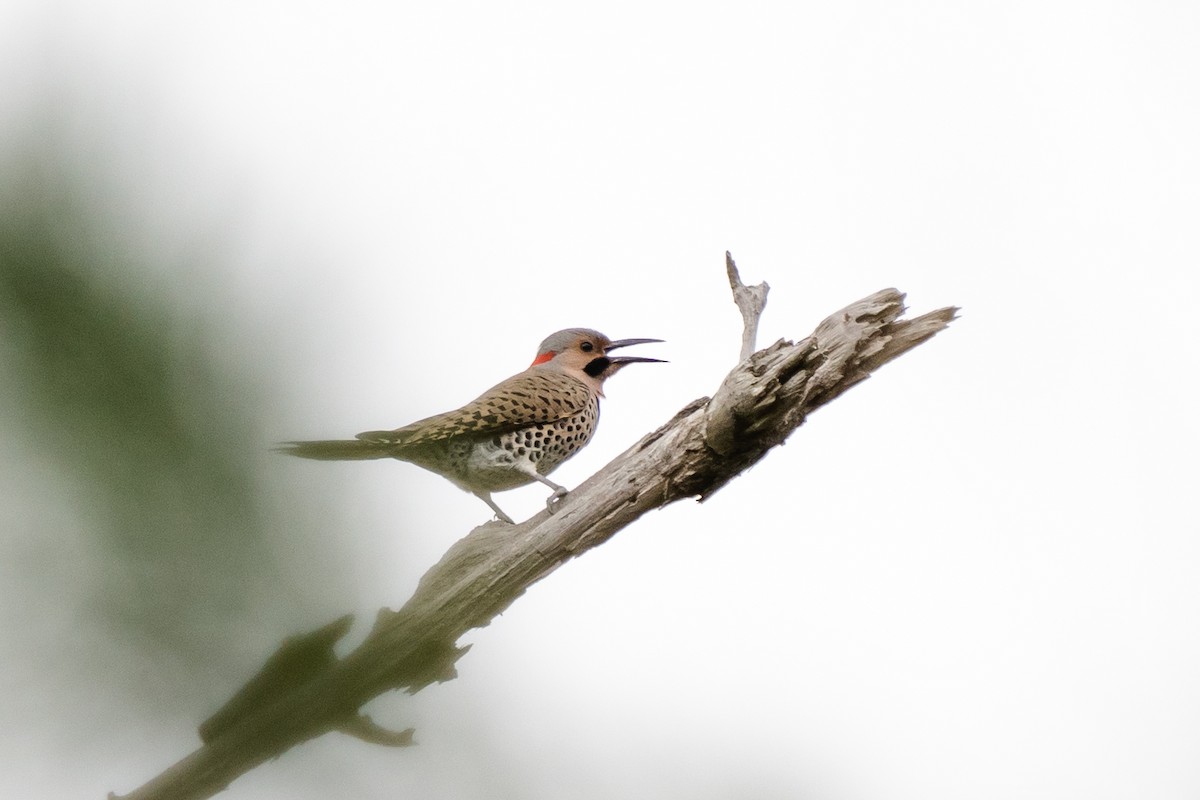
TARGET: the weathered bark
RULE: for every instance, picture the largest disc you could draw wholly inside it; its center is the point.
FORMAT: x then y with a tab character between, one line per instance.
304	690
750	300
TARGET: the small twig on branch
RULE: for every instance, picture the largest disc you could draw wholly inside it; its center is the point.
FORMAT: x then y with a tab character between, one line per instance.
304	690
751	300
370	731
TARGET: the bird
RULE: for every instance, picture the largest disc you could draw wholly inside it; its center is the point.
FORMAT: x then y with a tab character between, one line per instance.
515	433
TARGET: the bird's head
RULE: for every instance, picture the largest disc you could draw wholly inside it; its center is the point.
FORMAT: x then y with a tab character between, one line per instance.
583	353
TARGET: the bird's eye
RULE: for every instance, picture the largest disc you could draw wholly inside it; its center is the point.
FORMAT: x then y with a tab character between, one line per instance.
586	347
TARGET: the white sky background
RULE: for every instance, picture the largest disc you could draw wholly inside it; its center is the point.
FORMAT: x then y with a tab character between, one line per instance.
976	575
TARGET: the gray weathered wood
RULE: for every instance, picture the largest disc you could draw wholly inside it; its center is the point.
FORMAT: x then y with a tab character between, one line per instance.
305	691
750	300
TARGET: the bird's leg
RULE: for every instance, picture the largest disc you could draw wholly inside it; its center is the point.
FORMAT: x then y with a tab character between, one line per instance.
559	492
487	498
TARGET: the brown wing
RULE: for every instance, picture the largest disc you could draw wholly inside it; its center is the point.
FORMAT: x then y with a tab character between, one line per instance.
525	399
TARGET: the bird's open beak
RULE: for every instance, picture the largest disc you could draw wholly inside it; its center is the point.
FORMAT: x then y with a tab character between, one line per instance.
632	359
627	342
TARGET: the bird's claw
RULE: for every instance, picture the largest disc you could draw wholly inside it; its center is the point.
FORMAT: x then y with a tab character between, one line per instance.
553	500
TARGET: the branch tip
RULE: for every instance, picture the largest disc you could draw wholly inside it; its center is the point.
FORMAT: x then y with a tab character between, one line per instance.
361	726
750	300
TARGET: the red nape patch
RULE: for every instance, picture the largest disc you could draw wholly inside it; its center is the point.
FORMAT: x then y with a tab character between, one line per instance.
543	358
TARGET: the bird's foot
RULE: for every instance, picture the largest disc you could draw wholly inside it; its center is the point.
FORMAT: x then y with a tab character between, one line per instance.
500	515
554	499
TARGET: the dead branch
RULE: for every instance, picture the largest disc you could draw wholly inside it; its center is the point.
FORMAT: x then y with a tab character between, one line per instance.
304	690
751	300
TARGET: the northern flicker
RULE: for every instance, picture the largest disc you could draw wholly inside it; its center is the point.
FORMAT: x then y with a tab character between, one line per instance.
513	434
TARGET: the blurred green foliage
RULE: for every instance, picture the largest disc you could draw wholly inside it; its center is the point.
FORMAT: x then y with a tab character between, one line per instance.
137	409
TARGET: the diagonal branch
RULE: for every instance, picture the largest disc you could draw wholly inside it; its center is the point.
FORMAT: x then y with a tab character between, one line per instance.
305	691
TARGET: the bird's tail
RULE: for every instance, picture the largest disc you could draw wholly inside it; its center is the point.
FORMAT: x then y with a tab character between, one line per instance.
337	450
